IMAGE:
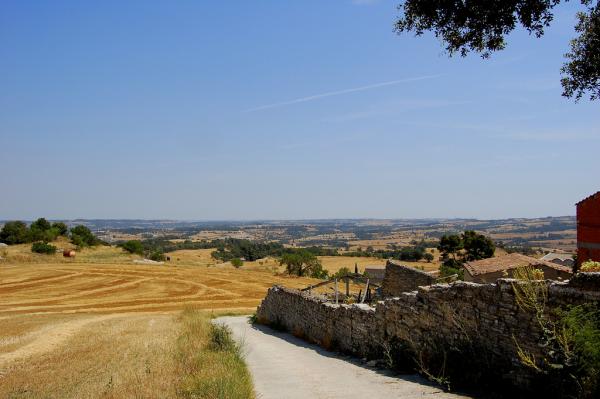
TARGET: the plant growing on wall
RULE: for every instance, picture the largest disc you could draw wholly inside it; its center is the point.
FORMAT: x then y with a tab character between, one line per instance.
570	363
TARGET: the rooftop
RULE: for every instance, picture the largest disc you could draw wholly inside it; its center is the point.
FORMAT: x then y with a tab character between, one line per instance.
556	255
508	262
588	198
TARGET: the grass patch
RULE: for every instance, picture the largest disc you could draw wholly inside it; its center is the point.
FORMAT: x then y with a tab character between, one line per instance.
210	363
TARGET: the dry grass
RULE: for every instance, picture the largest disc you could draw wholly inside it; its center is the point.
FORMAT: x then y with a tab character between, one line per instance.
210	364
122	356
101	326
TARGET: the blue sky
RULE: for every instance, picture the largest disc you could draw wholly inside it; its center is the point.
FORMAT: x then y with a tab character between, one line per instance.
280	110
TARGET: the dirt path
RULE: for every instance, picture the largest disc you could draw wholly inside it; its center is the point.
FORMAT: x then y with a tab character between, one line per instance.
49	338
283	366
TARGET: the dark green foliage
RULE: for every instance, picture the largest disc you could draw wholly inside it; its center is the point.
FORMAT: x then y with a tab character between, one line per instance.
156	256
237	262
83	237
457	249
43	248
344	271
133	247
428	257
15	232
482	26
60	228
41	224
248	250
450	245
583	324
410	254
572	364
41	230
303	263
582	71
451	267
477	246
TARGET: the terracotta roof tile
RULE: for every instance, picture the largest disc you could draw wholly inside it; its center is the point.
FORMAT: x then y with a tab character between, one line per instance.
508	262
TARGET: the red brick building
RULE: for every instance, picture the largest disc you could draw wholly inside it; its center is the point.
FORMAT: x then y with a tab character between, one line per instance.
588	229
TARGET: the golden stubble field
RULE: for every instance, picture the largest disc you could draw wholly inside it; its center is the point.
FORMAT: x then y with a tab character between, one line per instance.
100	325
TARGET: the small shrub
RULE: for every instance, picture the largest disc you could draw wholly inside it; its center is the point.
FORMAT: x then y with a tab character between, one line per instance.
157	256
43	248
237	262
221	338
133	247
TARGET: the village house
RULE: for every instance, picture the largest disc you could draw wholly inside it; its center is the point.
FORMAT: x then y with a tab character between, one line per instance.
559	258
491	269
588	229
375	273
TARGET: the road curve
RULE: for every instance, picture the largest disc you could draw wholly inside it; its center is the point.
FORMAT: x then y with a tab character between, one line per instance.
283	366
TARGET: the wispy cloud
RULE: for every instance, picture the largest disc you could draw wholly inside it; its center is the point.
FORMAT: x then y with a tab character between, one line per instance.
341	92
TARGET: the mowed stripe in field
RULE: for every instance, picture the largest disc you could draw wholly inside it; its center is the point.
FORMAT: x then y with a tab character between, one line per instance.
83	288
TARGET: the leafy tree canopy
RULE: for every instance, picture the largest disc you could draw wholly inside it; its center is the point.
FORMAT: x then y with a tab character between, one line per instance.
60	228
303	263
477	246
15	232
482	26
83	237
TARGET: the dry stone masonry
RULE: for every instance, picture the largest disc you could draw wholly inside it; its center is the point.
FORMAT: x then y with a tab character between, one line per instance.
473	326
399	278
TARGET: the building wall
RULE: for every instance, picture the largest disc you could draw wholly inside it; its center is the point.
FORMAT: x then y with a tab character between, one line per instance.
588	229
484	318
399	278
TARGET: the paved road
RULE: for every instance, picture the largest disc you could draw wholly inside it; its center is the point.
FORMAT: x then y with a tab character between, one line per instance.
283	366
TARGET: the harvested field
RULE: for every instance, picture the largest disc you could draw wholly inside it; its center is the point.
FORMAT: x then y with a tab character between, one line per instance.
108	288
115	323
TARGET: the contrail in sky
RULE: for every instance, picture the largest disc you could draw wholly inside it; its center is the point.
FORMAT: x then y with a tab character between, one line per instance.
340	92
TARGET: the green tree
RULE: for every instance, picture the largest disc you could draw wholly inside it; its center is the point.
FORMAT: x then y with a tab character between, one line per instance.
303	263
477	246
83	237
237	262
60	228
428	257
41	224
450	245
15	232
133	247
482	26
41	230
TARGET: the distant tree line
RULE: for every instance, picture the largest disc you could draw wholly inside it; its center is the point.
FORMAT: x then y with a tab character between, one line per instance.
414	253
41	232
141	248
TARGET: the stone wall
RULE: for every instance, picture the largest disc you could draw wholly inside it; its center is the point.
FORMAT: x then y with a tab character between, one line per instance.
399	278
473	325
